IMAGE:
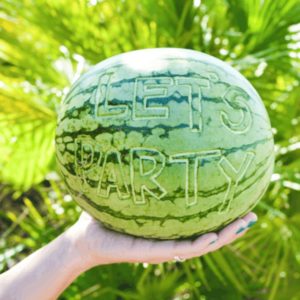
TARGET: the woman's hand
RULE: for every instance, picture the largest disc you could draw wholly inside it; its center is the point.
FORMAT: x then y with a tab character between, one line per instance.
97	245
47	272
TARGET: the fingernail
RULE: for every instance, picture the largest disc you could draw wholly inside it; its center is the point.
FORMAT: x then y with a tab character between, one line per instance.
251	223
212	242
240	230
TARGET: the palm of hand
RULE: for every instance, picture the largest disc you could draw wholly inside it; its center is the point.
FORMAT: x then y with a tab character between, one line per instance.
99	245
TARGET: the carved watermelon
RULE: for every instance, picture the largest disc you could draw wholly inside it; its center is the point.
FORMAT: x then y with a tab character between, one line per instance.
164	143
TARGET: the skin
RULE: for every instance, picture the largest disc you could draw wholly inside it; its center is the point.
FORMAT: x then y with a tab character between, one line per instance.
47	272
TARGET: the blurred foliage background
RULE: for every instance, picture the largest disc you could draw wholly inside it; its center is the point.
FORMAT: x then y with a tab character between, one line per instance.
46	44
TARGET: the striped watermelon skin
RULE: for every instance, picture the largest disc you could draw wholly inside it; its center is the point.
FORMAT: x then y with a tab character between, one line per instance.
164	143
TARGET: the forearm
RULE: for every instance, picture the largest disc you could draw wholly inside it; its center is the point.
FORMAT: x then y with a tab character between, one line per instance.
45	273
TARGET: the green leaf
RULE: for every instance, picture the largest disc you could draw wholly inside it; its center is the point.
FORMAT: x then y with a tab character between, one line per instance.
26	141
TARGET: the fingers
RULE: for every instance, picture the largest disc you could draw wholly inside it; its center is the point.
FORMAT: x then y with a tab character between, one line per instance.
194	248
234	230
206	243
250	218
150	251
166	250
120	248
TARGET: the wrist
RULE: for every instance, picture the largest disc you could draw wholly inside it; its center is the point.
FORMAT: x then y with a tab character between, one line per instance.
82	251
78	255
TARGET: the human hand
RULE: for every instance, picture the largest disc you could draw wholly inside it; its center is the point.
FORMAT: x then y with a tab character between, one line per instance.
96	244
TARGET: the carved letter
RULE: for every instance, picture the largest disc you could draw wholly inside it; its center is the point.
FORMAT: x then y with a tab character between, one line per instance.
191	161
112	176
236	99
87	158
194	85
143	178
101	98
233	177
147	89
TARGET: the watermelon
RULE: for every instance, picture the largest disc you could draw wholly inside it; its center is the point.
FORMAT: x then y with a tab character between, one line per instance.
164	143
